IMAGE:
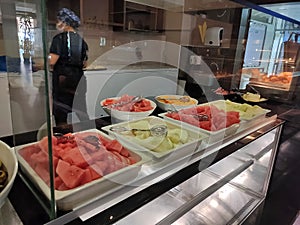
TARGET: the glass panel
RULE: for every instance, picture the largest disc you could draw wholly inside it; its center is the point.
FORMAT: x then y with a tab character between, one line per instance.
271	52
142	48
27	102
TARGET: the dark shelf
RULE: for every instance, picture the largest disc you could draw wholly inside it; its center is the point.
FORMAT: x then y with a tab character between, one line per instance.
134	11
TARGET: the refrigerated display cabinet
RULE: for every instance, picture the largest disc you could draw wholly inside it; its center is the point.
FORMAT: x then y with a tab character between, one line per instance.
216	182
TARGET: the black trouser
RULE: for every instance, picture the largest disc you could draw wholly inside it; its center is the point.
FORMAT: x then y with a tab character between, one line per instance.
66	103
69	95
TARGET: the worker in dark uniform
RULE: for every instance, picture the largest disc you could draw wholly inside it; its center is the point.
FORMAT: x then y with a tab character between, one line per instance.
67	59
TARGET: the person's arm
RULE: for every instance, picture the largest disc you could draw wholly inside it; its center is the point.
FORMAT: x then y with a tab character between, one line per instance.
52	60
55	51
85	63
85	57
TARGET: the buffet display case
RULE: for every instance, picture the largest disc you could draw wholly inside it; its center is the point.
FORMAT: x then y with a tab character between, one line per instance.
279	87
213	182
273	69
82	172
223	193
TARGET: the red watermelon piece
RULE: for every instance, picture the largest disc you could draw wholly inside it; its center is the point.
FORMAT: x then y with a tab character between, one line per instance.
94	173
132	160
114	145
71	175
125	152
40	158
57	182
27	151
43	172
78	157
72	164
87	177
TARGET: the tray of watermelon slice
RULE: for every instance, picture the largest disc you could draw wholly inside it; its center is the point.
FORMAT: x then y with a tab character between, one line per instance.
207	118
86	164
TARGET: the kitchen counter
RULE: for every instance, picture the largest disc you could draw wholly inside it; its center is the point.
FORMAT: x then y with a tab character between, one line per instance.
128	80
125	67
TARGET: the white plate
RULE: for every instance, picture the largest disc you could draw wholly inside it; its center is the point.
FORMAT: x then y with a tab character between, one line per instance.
260	100
127	139
69	199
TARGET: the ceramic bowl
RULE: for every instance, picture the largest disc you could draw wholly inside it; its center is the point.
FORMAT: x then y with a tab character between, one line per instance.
127	116
164	105
9	160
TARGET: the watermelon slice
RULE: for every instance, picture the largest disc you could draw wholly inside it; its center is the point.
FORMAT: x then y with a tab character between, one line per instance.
114	145
76	156
27	151
71	175
87	177
94	172
78	159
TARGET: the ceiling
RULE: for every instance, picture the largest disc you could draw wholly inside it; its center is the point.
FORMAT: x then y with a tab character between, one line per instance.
291	10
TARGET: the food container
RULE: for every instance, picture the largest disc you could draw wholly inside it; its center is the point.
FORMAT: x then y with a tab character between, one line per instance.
247	112
213	136
169	102
10	162
69	199
279	87
126	115
191	143
253	98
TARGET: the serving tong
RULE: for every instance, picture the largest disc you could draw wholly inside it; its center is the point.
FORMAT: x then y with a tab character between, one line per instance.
91	139
157	130
200	116
132	101
62	137
254	89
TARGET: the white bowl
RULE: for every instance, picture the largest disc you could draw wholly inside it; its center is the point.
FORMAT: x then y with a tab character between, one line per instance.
9	160
167	107
126	116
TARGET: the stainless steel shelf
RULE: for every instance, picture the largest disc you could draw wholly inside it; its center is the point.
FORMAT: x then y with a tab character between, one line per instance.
8	215
224	193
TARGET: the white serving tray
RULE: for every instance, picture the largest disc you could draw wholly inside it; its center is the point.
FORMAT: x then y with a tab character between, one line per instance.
221	104
195	137
213	136
69	199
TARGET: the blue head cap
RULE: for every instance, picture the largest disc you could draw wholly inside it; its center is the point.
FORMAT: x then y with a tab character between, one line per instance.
69	17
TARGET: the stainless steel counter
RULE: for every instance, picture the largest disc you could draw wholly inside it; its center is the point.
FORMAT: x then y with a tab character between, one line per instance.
223	183
8	215
224	193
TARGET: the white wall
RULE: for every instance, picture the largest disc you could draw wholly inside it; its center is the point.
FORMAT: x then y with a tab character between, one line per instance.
149	82
5	112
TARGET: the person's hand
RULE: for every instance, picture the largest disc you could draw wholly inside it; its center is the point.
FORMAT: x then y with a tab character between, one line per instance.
84	64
